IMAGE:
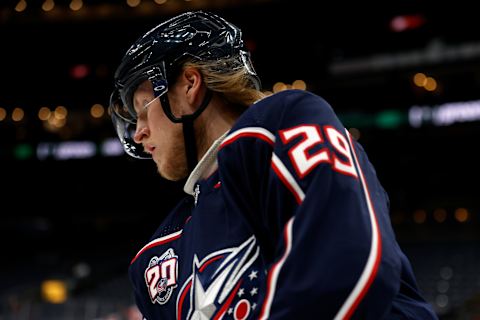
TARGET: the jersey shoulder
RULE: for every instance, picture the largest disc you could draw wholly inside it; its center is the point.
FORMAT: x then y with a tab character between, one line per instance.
288	107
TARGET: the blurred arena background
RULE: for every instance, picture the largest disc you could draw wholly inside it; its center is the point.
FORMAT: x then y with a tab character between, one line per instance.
403	76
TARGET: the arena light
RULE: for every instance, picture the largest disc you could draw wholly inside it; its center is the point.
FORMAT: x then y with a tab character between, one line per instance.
389	119
79	71
76	5
419	216
17	114
44	113
133	3
407	22
445	114
74	150
435	52
23	151
299	84
420	79
111	147
461	215
440	215
97	110
21	6
54	291
48	5
66	150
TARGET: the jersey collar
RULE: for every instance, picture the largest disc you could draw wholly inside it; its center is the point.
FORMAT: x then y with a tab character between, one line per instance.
205	166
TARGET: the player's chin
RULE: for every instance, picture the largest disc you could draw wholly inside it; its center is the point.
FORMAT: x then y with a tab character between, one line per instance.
172	172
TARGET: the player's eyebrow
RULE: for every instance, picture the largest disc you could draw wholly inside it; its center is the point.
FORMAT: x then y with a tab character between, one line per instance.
142	102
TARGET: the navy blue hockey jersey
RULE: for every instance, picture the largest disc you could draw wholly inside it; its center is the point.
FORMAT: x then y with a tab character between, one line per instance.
286	219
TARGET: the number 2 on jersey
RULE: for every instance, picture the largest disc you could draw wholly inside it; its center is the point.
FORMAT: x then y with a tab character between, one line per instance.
311	136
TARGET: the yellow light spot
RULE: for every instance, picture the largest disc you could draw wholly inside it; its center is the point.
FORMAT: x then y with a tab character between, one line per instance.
420	79
17	114
44	113
461	214
3	114
21	6
419	216
440	215
160	1
56	122
299	84
133	3
61	112
48	5
431	84
97	110
279	86
54	291
76	5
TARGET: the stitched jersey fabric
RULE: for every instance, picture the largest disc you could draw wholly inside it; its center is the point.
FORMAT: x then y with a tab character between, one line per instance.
292	224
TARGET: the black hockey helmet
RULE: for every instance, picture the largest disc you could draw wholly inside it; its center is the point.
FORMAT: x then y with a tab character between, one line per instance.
158	54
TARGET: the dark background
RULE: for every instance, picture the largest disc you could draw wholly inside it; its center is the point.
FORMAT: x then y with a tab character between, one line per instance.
57	215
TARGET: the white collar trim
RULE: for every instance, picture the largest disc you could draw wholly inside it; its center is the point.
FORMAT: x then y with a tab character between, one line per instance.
208	160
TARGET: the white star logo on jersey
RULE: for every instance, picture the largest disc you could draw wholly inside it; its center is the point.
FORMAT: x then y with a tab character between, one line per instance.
217	280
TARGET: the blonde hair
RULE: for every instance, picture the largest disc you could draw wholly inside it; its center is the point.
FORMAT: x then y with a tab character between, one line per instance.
230	79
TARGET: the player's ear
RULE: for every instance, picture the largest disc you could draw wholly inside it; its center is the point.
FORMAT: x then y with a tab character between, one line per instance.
193	86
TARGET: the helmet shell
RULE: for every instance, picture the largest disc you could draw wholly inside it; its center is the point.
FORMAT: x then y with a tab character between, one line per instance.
195	35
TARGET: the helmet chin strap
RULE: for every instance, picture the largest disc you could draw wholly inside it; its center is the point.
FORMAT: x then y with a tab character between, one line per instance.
188	129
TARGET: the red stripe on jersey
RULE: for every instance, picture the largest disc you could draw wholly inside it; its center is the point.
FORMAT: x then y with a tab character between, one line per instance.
371	268
227	303
158	242
252	132
182	298
208	262
275	270
287	179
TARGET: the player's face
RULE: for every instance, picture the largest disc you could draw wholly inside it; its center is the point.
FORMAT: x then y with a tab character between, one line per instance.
159	136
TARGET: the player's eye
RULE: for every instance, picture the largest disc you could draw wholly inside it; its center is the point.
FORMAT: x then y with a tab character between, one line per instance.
146	105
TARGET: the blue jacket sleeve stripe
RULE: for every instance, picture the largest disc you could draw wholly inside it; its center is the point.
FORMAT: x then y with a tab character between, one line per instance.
370	270
275	270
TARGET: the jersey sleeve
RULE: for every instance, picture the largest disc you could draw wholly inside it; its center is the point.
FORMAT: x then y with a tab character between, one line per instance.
312	197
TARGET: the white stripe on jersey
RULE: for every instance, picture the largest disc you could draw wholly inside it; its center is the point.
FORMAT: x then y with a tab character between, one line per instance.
275	270
371	266
157	242
287	178
258	132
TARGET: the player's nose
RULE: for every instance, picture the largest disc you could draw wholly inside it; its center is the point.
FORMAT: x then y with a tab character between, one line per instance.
141	132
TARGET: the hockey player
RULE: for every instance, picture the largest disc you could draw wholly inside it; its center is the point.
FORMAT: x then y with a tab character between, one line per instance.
283	218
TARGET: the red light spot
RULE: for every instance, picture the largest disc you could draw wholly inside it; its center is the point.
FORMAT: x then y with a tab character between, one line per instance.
407	22
79	71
